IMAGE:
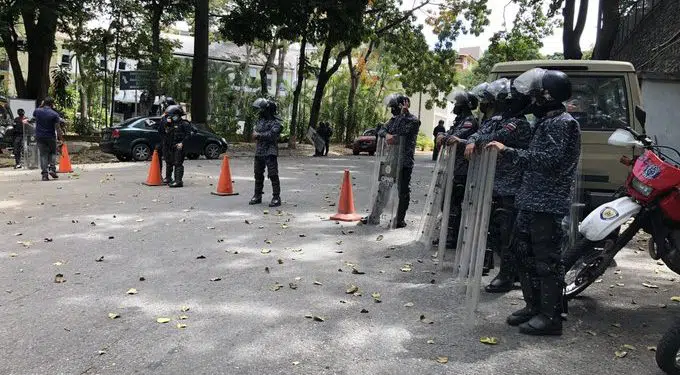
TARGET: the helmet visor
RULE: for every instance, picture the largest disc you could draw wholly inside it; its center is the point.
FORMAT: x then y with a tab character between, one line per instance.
260	103
499	87
390	100
479	90
458	97
530	81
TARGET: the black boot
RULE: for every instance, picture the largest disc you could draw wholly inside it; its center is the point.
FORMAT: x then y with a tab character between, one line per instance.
531	292
53	172
179	175
276	191
259	187
44	177
168	175
549	320
488	262
507	275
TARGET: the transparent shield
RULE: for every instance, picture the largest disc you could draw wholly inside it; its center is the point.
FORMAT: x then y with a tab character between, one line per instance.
314	138
31	155
448	196
577	209
427	229
384	194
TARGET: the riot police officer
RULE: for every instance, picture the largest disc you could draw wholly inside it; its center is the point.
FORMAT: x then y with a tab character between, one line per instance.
169	101
508	125
266	133
177	132
550	165
18	132
464	126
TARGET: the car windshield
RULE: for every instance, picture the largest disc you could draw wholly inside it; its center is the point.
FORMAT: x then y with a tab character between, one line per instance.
369	132
203	127
127	122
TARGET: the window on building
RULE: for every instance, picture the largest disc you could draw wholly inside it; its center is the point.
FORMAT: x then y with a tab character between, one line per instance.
66	59
102	64
122	65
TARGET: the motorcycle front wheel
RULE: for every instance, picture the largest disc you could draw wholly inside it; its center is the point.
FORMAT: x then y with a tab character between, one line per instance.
584	263
667	356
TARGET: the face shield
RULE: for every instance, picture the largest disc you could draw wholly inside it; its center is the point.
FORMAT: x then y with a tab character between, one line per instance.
530	83
499	89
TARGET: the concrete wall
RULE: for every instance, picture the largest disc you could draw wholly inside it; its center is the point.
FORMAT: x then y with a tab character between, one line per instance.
430	117
661	99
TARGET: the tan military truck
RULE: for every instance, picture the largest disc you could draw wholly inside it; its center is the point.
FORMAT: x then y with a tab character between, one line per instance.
605	94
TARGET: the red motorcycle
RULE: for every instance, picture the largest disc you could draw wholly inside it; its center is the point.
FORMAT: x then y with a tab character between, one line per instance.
651	197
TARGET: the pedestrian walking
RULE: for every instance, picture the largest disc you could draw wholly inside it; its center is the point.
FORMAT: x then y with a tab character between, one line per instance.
18	143
47	130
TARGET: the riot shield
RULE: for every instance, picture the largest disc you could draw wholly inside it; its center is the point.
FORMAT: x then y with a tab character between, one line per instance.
474	228
314	138
576	211
447	198
427	229
31	154
384	188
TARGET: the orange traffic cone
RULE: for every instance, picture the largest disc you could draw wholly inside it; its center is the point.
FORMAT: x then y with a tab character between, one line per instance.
64	160
346	210
224	185
154	178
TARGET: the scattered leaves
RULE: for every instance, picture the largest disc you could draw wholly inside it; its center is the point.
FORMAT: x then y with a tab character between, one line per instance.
59	278
163	320
339	242
650	286
292	286
376	297
268	242
408	304
185	308
113	316
364	311
181	325
132	291
620	354
443	360
352	289
317	283
489	340
423	319
276	287
216	279
380	238
183	317
265	251
407	268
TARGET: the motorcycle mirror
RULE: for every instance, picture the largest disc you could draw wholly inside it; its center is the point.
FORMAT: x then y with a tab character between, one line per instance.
641	116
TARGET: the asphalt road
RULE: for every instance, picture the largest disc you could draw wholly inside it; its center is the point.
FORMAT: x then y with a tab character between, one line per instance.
106	233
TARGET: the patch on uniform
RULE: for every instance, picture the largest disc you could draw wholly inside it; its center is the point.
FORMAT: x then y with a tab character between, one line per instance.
467	124
510	126
609	213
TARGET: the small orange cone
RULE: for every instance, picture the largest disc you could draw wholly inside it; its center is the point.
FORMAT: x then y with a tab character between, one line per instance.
224	185
64	160
346	210
154	178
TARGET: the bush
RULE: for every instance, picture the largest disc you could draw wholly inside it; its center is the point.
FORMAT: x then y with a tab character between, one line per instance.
424	143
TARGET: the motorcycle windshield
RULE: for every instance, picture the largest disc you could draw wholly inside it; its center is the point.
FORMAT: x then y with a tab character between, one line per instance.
651	171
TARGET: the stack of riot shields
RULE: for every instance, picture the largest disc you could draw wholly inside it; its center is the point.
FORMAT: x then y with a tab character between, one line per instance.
314	138
474	227
441	179
385	182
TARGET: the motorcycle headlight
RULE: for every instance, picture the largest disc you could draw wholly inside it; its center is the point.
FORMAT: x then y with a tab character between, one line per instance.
641	188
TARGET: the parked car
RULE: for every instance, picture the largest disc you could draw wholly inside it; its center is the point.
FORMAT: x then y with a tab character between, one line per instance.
365	143
136	138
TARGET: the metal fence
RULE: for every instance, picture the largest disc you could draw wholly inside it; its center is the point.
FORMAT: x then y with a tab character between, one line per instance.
631	17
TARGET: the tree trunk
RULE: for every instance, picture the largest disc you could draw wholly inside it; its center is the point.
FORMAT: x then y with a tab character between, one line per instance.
325	74
40	38
82	92
113	75
157	12
608	27
9	40
264	88
296	94
245	79
571	36
354	75
199	77
281	68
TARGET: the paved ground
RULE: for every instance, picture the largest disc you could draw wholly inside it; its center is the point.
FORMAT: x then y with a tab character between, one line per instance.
151	239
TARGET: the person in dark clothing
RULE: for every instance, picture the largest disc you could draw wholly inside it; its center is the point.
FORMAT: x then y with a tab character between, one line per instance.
177	132
18	146
507	125
267	132
165	146
326	132
437	147
464	126
404	128
47	129
550	165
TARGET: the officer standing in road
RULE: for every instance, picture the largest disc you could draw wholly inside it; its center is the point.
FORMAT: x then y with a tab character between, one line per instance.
437	130
18	146
177	132
550	165
47	130
163	147
507	125
267	132
464	126
404	126
326	132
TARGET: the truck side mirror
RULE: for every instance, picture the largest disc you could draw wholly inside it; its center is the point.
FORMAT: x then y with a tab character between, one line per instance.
641	115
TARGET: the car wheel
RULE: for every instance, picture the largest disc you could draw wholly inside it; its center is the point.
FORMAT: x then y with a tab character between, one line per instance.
212	151
193	156
141	152
123	157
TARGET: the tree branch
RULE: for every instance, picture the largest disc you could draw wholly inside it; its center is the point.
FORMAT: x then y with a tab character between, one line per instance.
405	17
582	15
338	61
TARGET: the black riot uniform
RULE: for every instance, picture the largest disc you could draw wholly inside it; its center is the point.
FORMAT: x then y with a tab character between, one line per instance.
550	165
437	130
177	132
267	132
405	126
18	144
508	126
463	127
161	147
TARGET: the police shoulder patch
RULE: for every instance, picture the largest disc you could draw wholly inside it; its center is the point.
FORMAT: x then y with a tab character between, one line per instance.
467	124
510	126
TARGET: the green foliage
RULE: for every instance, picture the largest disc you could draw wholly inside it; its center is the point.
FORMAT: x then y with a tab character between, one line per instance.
61	79
424	143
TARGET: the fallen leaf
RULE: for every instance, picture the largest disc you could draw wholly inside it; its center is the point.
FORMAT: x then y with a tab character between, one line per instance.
364	311
302	235
265	251
651	286
248	222
443	360
132	291
57	263
425	320
430	342
620	354
142	279
317	283
357	272
376	297
18	234
489	340
200	257
185	308
295	363
628	346
408	304
268	242
380	238
675	298
139	220
279	261
266	212
13	255
113	316
47	240
59	278
292	286
651	348
181	325
210	227
338	242
216	279
111	237
406	268
163	320
266	269
101	352
592	333
183	317
352	289
284	226
276	287
318	319
617	325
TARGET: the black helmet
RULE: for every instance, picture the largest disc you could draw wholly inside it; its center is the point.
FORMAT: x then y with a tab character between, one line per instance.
169	101
21	112
174	113
482	93
500	89
265	106
557	84
395	100
545	85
